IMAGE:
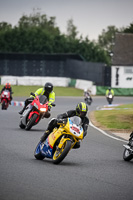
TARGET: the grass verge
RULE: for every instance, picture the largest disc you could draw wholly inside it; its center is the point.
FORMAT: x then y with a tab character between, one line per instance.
119	119
20	91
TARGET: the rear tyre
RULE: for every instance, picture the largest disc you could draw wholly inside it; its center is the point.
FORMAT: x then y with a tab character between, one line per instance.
37	152
31	122
60	154
21	125
127	156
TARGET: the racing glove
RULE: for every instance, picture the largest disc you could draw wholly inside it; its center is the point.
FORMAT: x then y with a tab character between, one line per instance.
60	121
49	108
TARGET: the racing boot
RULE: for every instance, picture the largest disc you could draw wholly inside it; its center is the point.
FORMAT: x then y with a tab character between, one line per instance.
21	111
45	135
27	101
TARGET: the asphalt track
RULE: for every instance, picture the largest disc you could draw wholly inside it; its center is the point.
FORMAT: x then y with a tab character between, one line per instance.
96	171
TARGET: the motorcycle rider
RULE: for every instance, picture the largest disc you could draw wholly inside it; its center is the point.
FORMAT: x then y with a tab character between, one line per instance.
7	87
87	94
81	111
109	91
48	92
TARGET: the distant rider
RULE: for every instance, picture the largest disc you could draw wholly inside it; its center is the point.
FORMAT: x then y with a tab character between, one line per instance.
7	87
109	91
48	92
87	95
81	111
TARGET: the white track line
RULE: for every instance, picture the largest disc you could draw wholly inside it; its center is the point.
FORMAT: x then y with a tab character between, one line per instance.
115	138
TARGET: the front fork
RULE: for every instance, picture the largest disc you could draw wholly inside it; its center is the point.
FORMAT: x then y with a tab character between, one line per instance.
64	139
34	112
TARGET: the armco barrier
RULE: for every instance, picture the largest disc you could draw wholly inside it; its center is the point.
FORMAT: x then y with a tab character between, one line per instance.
56	81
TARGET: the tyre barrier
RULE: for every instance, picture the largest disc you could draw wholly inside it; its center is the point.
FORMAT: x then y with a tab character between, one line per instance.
17	103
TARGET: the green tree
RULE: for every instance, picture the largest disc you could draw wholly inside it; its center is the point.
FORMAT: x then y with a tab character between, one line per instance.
71	29
5	26
106	39
37	33
129	29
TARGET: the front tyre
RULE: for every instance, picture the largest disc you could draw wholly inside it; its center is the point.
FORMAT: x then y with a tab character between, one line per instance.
37	152
3	105
31	122
127	155
60	154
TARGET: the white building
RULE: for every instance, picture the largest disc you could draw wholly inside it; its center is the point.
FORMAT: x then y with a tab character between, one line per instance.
122	61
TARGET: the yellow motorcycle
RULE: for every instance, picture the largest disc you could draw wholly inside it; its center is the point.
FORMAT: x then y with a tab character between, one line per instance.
61	140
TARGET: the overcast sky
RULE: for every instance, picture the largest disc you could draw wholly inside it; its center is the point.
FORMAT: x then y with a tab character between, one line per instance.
89	16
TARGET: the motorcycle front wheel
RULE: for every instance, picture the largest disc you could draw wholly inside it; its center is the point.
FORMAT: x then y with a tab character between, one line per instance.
31	122
127	155
3	105
60	154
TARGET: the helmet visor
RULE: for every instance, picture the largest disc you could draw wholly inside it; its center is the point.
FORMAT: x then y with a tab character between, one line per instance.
48	89
82	114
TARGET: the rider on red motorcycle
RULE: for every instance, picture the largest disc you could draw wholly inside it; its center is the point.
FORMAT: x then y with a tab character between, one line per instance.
7	87
48	92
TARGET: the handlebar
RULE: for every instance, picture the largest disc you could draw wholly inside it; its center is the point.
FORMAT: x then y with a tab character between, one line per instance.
61	121
32	94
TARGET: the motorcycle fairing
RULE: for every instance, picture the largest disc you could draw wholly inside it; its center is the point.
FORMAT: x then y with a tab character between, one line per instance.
46	150
38	149
52	138
4	99
36	103
75	130
25	114
47	146
5	96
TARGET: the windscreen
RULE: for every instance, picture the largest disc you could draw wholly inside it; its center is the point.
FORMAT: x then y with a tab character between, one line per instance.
76	120
43	99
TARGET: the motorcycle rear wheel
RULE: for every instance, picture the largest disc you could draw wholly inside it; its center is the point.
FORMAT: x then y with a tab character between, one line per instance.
60	154
127	156
31	122
21	125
